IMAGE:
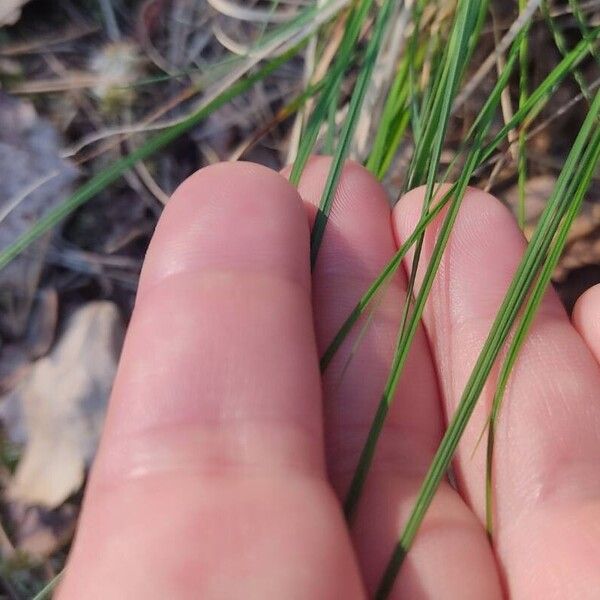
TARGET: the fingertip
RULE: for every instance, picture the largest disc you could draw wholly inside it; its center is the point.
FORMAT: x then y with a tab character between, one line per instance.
230	254
356	184
482	255
586	318
230	214
478	213
360	214
215	415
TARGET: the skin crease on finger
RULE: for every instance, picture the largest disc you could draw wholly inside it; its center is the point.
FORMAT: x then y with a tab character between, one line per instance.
210	481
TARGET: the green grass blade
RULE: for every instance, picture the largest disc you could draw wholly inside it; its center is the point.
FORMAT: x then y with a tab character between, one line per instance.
382	278
407	332
111	174
561	44
533	104
347	132
581	184
395	116
538	98
423	169
583	27
393	108
405	337
437	112
523	93
46	592
410	321
322	108
574	170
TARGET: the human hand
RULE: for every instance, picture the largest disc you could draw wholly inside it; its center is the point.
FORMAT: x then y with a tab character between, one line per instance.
225	454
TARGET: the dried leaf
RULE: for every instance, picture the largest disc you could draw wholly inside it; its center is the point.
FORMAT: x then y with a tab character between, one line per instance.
40	532
16	357
62	402
33	179
583	243
10	11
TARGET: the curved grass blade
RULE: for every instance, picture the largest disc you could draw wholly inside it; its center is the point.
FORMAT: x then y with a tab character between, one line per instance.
111	174
409	325
528	317
46	592
323	105
343	146
574	170
534	103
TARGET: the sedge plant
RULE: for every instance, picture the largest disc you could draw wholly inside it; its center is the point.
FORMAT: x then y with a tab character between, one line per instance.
431	78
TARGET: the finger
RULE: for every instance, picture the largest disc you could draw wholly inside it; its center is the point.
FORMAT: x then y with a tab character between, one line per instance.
358	243
586	318
210	480
547	484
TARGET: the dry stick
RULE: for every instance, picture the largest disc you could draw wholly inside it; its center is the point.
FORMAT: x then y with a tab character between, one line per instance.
252	15
276	47
41	44
101	180
501	158
505	101
499	50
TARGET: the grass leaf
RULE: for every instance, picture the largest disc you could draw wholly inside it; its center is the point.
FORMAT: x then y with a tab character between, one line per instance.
343	145
577	172
116	170
328	97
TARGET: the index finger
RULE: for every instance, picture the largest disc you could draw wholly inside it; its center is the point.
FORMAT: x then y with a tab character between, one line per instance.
210	479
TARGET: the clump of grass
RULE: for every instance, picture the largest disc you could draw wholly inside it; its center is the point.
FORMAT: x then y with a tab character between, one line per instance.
540	258
430	82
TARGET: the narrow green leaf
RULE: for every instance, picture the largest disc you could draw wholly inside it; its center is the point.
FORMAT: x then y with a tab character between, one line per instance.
382	278
322	108
561	44
523	93
46	592
347	132
533	104
468	18
116	170
574	170
576	192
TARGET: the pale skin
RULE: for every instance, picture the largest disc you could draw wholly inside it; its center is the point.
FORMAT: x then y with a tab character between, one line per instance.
225	455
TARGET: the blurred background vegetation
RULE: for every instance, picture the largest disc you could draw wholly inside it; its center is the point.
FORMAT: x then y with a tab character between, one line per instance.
85	83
